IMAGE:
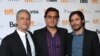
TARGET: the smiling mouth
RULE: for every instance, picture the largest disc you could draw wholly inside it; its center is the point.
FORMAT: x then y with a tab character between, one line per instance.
74	25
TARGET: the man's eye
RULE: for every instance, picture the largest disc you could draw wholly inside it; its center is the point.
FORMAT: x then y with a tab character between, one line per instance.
21	18
49	16
71	20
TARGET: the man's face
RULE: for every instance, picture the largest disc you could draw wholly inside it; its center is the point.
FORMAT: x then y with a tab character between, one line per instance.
51	19
23	21
76	22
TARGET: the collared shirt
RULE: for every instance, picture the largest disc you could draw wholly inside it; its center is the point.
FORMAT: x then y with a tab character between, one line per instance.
77	45
54	44
22	36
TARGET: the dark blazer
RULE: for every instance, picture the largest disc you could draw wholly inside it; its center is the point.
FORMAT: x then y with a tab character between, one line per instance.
91	45
12	45
41	41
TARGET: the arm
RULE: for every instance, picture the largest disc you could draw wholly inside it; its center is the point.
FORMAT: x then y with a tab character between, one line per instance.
96	45
5	48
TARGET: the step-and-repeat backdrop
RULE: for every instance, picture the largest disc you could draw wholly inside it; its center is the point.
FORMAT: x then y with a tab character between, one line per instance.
9	8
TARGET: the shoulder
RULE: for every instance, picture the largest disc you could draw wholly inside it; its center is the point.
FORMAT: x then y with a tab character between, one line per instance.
90	32
62	29
40	30
29	32
8	38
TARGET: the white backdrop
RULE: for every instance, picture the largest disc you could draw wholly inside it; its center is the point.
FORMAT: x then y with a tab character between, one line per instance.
9	8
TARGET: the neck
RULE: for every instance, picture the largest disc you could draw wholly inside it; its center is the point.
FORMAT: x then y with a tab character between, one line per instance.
52	30
22	30
80	31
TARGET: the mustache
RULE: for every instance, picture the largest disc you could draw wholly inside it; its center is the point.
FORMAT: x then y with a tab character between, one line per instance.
75	25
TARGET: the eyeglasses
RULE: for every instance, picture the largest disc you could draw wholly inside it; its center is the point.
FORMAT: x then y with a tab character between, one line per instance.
55	17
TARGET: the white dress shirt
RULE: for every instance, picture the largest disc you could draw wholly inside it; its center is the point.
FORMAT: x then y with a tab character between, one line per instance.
23	38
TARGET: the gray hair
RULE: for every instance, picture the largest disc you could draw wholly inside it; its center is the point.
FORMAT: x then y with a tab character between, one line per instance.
23	10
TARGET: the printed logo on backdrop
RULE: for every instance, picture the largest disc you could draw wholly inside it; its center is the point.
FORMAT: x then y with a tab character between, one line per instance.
95	1
87	21
84	10
66	22
13	0
13	24
8	11
11	11
83	1
34	11
67	11
97	11
96	21
29	1
51	0
68	1
80	9
64	1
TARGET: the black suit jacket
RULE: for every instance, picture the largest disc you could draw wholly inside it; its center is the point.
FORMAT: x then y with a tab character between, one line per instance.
12	45
41	41
91	45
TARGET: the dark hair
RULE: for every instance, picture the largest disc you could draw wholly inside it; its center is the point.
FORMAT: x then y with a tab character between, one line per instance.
22	10
51	9
79	13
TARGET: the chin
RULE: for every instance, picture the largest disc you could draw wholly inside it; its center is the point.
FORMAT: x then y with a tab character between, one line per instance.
76	29
25	28
52	26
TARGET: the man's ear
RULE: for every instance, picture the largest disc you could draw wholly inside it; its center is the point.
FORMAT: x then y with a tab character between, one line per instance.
83	21
45	19
16	21
58	19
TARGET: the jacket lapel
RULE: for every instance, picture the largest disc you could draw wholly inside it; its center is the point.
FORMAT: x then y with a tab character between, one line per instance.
61	40
86	42
69	44
19	43
44	41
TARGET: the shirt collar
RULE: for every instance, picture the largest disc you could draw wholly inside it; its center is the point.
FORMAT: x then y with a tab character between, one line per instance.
21	33
73	33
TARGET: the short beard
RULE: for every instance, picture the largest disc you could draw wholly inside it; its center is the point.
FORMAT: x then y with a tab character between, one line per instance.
78	28
52	26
